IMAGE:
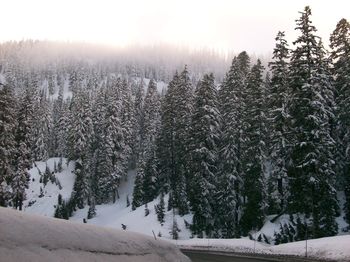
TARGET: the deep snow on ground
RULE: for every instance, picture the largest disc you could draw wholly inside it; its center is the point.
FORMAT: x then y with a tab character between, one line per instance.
116	214
45	205
335	248
27	237
113	215
241	245
330	248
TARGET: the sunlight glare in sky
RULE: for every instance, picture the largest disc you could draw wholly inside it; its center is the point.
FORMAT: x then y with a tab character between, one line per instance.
220	24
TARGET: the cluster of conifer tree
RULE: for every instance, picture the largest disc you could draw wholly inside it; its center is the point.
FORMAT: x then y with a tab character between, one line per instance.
258	145
231	153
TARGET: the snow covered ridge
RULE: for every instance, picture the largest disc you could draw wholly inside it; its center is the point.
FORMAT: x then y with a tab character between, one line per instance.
328	248
26	237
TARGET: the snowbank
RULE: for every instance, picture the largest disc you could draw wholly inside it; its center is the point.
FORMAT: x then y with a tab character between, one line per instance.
241	245
26	237
328	248
335	248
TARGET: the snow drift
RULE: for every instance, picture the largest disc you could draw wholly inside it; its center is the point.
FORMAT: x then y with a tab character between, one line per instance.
26	237
328	248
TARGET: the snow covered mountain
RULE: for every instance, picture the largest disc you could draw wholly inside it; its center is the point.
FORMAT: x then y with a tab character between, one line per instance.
29	238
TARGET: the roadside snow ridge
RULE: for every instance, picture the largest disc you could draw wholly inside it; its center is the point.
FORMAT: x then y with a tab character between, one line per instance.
27	237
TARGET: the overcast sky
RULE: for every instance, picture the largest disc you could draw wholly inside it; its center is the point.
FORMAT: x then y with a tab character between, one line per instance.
222	24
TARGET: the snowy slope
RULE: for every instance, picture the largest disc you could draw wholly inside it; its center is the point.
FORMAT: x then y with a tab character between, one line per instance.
115	214
26	237
108	215
45	205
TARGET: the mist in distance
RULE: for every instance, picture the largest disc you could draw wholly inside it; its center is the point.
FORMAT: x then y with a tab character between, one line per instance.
224	26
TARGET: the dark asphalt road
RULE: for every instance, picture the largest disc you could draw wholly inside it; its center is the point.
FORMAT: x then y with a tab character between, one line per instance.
202	257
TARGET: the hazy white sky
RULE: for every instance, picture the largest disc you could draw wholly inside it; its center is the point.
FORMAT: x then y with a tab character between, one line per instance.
222	24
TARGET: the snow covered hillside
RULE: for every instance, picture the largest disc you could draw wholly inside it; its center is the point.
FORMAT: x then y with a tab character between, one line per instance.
116	214
41	198
113	215
27	237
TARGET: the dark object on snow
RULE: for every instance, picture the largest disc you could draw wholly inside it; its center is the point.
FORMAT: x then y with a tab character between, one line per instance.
84	220
123	227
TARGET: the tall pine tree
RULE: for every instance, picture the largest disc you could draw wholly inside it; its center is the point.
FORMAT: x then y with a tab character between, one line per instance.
232	107
7	142
340	44
311	173
278	115
204	146
254	156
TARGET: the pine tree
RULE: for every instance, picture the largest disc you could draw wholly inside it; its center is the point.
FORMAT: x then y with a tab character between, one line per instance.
61	130
232	108
138	130
151	119
204	139
127	121
42	125
113	148
114	142
312	173
47	175
146	210
92	209
175	230
173	142
7	142
57	114
138	194
100	165
81	129
23	159
59	165
278	94
254	189
183	99
80	137
340	44
160	209
150	187
166	140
